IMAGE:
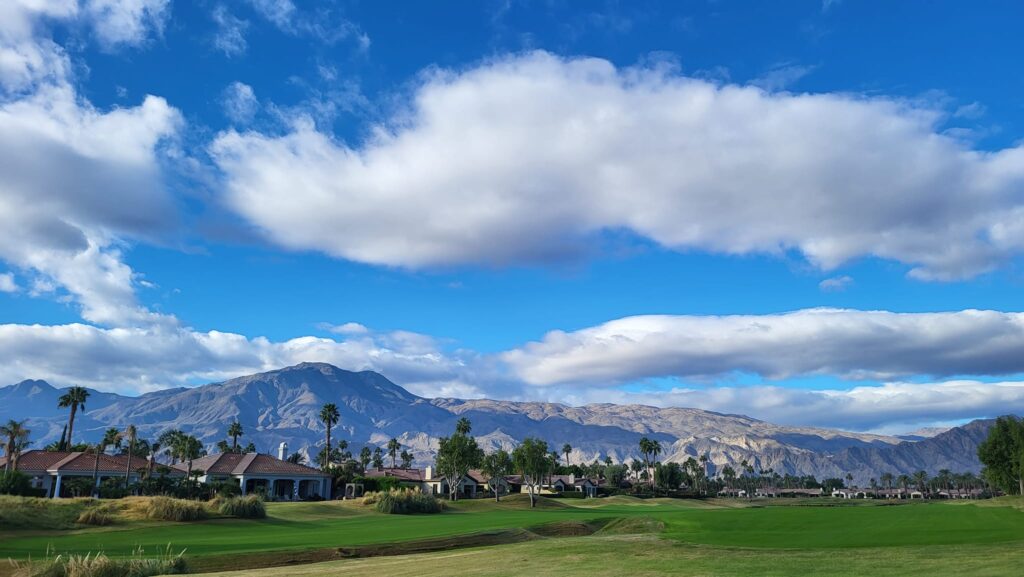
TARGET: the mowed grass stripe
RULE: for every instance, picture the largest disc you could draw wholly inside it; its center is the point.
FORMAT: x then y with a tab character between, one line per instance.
315	526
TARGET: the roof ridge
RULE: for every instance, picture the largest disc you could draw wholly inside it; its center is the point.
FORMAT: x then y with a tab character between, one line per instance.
71	457
244	463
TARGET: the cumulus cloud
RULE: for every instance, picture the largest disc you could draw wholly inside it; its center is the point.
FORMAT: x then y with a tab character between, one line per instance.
78	180
846	343
133	360
526	159
240	103
126	22
8	284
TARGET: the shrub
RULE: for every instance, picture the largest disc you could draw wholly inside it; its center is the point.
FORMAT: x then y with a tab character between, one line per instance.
99	565
95	516
14	483
225	489
168	509
404	502
248	507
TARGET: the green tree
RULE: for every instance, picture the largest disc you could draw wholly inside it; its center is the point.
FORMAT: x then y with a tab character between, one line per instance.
329	416
921	480
378	458
169	441
407	458
131	436
250	448
530	458
1002	453
456	455
235	430
393	447
566	450
365	457
495	466
73	399
189	449
17	439
111	437
296	458
223	446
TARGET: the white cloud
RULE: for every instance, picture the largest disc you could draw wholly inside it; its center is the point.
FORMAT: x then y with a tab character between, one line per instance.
240	103
8	284
846	343
347	329
132	360
78	180
126	22
525	159
836	284
230	36
325	25
782	76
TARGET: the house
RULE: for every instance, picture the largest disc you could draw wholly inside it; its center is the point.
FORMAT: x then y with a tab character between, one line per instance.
254	472
850	493
732	492
472	484
777	492
557	484
891	493
50	471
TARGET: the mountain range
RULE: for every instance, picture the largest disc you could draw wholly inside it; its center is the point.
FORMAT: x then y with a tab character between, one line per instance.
282	406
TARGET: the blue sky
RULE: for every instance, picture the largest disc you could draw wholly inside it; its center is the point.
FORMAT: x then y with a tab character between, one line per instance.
568	201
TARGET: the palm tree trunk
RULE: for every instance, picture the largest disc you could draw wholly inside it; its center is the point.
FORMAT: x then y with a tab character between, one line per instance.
96	474
128	468
71	425
327	453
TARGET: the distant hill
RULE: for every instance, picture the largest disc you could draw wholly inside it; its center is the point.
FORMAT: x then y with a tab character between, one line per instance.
282	405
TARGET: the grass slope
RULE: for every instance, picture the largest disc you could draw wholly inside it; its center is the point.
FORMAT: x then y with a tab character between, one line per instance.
723	538
649	556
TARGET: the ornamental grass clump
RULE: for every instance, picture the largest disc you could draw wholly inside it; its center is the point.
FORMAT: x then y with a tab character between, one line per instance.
99	565
248	507
168	509
404	502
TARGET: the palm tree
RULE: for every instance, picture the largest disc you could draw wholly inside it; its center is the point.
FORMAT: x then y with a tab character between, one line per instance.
17	438
131	435
566	449
645	450
393	447
111	437
73	399
189	448
329	416
920	478
169	441
235	431
364	457
887	480
849	479
463	426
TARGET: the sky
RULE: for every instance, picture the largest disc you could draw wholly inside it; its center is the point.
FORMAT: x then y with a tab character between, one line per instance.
807	212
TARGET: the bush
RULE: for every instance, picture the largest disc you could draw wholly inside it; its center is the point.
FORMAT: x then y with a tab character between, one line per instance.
99	565
95	516
249	507
14	483
404	502
225	489
168	509
113	488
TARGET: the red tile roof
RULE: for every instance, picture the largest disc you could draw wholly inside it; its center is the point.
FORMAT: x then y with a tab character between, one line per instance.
75	462
248	464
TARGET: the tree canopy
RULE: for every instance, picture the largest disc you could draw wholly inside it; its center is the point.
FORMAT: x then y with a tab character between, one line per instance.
1002	453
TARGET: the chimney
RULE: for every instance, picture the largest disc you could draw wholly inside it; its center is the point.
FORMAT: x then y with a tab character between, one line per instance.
428	473
282	451
572	478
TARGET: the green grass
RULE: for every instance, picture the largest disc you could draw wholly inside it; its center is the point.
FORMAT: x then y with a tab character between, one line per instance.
711	537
